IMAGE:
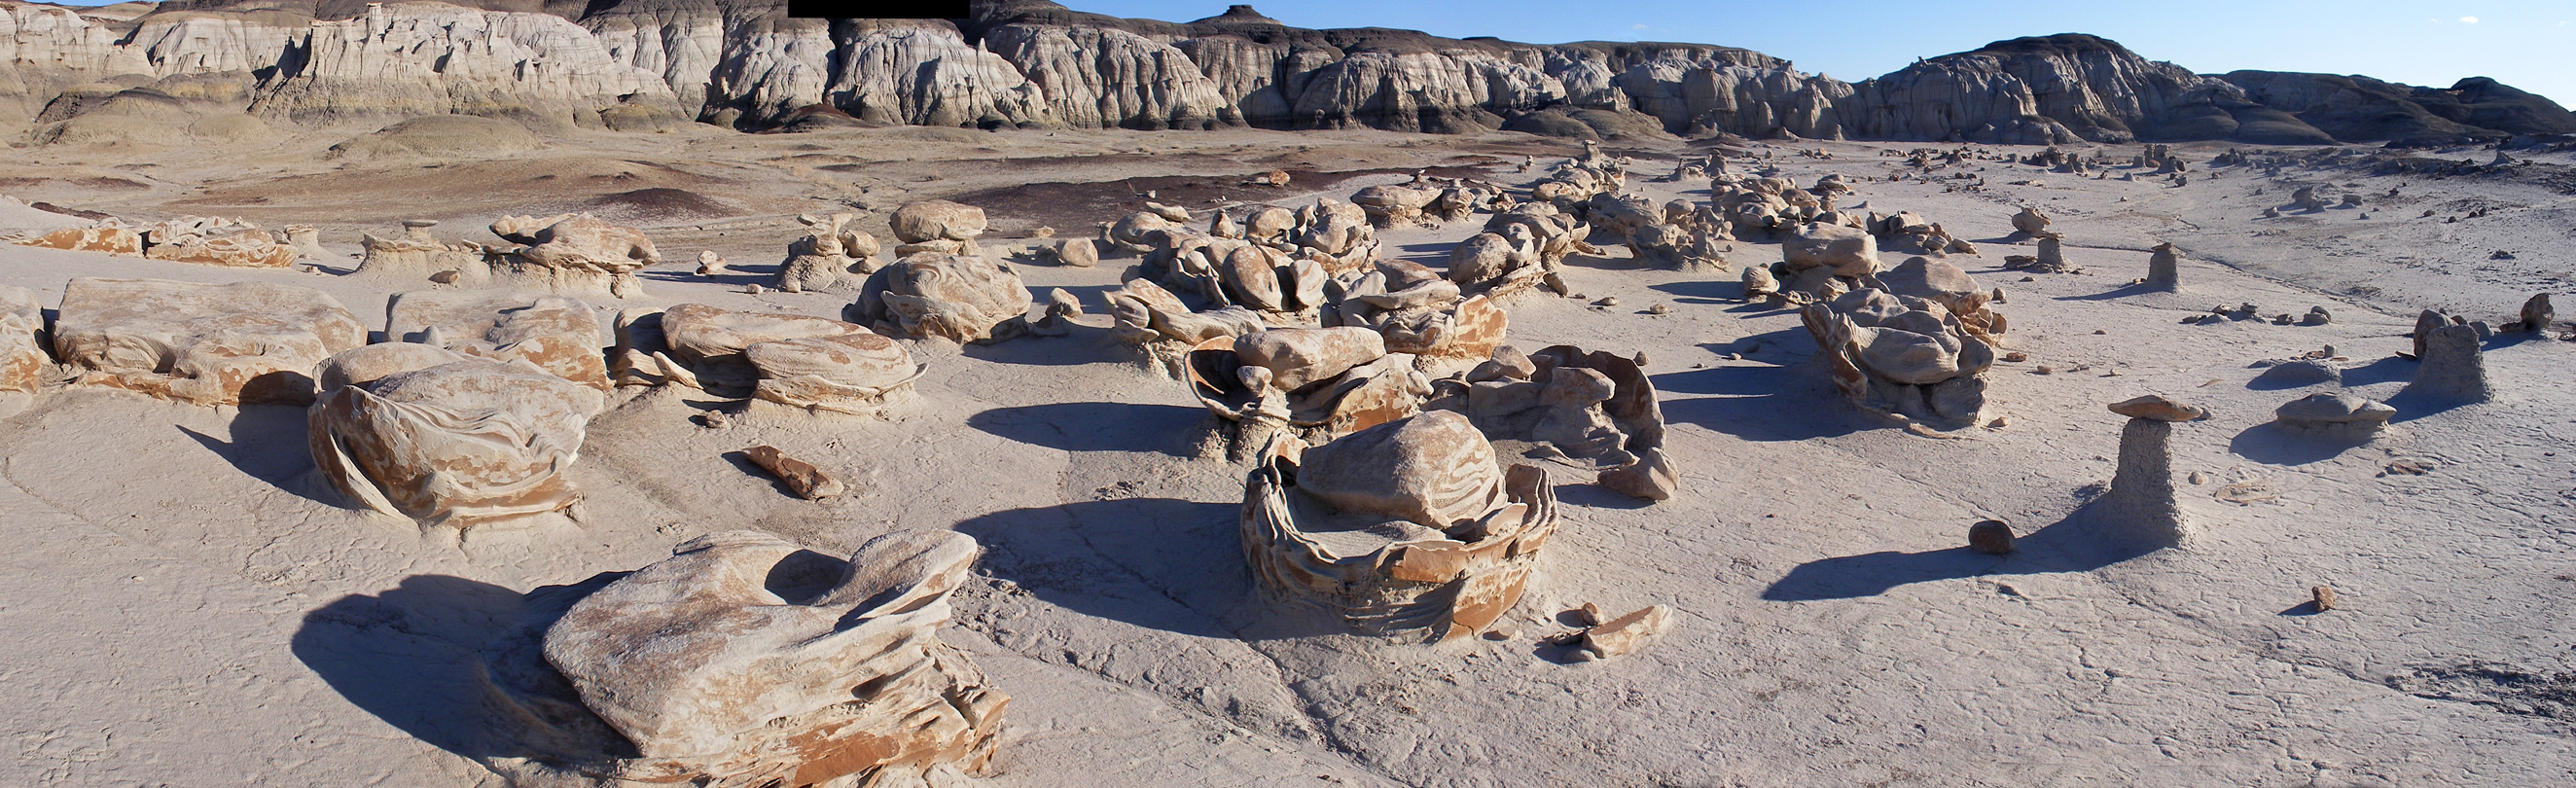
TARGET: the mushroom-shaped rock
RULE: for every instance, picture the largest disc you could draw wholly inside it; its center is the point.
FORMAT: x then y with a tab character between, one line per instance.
464	441
2334	412
2141	510
745	660
1405	530
2158	407
558	334
229	344
963	299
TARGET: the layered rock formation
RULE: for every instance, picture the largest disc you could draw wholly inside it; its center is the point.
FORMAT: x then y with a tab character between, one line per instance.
633	64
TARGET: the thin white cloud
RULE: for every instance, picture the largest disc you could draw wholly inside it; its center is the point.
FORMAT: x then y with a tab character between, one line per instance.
2468	20
1643	26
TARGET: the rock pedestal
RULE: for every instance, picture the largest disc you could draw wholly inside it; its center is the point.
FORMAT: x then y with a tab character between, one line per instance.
2141	510
2453	368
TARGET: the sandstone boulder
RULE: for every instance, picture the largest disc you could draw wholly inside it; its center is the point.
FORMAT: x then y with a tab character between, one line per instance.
572	254
2334	413
1901	356
558	334
743	660
22	357
458	443
230	344
962	299
1406	530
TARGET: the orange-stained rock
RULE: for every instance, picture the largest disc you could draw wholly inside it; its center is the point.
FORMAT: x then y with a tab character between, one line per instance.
458	443
744	661
558	334
1345	529
22	358
109	239
236	249
229	344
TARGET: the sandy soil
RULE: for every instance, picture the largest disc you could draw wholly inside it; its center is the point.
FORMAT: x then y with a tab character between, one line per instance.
189	605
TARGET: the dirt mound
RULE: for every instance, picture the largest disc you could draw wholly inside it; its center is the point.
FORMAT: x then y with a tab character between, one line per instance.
659	204
440	136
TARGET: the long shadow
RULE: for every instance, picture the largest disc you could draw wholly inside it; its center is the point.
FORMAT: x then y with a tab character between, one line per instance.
2413	405
2074	544
1077	348
268	442
411	657
1096	426
2386	370
1782	405
2122	291
2273	444
1707	291
1160	563
735	276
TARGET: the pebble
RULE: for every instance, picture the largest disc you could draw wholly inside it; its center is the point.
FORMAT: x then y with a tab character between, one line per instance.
1590	615
1502	632
447	277
1991	537
1607	301
2323	596
752	289
1659	309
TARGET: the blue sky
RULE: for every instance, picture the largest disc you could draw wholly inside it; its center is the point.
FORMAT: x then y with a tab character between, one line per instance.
2529	45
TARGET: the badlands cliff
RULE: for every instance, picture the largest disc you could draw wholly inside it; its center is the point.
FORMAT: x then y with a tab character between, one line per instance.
644	64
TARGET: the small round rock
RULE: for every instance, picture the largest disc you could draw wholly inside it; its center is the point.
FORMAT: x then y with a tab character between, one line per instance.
1991	537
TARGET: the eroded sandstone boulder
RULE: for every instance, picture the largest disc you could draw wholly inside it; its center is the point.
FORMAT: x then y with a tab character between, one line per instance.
1311	383
744	661
22	357
1593	407
937	226
1407	530
933	294
230	344
558	334
573	254
459	441
809	362
1902	356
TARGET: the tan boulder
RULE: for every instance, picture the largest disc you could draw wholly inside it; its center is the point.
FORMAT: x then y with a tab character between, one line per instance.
1300	356
1435	470
937	220
462	442
962	299
2158	407
22	357
105	238
1846	251
237	249
558	334
744	660
575	254
229	344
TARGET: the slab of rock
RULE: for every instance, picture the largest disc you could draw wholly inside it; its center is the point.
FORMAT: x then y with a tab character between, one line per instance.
931	294
459	442
558	334
230	344
809	362
744	660
937	226
1848	252
104	238
2158	407
2300	372
808	482
1297	357
1626	633
237	249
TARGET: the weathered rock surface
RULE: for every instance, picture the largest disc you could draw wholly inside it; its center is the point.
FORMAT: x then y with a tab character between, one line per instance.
2452	369
22	357
572	254
1901	356
931	294
799	360
1406	530
743	660
557	334
230	344
2335	413
462	441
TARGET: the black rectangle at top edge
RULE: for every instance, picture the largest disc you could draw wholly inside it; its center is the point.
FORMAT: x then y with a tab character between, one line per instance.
877	9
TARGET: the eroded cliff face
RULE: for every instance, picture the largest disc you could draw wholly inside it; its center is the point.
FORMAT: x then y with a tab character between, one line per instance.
1032	63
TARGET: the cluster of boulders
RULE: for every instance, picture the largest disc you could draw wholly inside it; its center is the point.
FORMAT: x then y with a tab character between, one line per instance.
573	254
801	361
826	257
1902	356
1424	202
235	243
1593	407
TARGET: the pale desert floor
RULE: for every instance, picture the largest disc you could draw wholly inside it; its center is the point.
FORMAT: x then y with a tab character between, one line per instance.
186	604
